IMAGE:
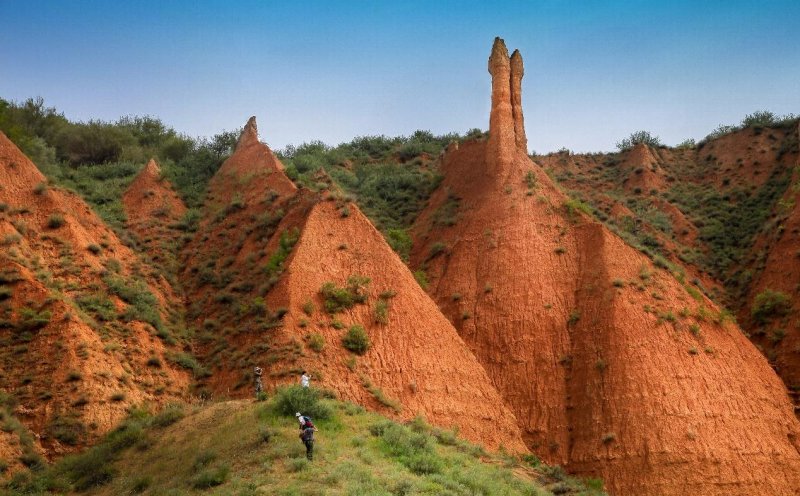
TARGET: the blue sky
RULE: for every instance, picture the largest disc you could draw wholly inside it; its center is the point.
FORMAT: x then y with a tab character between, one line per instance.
595	71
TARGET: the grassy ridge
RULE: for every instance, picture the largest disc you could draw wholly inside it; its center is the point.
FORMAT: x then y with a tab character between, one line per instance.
248	448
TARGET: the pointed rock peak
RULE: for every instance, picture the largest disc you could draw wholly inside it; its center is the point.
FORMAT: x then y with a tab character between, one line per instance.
501	146
249	133
641	155
499	57
517	71
15	167
152	168
516	64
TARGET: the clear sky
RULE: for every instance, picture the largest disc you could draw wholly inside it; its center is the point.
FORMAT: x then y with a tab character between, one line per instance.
595	71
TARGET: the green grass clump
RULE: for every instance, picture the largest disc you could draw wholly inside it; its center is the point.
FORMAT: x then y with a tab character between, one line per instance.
769	304
142	305
338	299
55	221
356	340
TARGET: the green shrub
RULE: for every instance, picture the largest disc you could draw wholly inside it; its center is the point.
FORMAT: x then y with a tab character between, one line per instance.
295	398
400	241
338	299
286	242
98	306
356	340
637	138
68	430
382	311
30	319
211	477
189	362
167	416
142	305
770	304
55	221
140	484
422	278
316	342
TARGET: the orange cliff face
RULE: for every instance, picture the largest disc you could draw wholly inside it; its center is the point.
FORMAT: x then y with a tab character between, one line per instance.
416	363
614	368
74	353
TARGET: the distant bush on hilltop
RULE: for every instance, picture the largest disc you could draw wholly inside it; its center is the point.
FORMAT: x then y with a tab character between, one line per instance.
758	119
637	138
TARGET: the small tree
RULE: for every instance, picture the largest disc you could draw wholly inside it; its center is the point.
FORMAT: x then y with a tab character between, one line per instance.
638	137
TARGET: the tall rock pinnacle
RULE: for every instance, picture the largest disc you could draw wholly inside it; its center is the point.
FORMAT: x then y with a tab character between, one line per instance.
249	133
502	142
517	72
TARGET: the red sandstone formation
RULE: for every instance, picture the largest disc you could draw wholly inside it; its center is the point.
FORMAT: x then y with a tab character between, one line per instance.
778	334
65	363
613	367
153	209
517	72
502	140
416	364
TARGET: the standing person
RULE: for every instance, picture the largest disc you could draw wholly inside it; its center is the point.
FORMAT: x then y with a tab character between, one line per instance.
307	431
305	380
259	385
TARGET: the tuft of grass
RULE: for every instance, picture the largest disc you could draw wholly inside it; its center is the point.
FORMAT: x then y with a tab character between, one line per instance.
55	221
316	342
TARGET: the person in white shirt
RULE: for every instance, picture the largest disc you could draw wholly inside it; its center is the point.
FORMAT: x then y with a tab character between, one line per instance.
305	380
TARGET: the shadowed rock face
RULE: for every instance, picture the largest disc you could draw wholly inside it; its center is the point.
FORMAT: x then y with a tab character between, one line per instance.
517	72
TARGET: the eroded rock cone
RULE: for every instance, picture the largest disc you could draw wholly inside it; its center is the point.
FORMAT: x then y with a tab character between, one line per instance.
613	367
270	255
60	265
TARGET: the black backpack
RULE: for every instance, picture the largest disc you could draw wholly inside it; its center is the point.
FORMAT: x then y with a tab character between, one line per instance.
308	434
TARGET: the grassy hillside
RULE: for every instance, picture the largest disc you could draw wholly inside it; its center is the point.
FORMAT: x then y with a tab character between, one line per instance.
245	447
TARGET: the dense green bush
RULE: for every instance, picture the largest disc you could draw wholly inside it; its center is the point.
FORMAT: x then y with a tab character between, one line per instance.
338	299
637	138
770	304
356	340
295	398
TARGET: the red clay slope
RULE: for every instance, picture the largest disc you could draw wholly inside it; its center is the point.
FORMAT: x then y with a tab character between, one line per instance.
74	371
416	364
416	357
611	366
153	209
779	334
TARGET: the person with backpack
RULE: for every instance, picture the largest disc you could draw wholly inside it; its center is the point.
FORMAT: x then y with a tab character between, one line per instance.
307	431
257	372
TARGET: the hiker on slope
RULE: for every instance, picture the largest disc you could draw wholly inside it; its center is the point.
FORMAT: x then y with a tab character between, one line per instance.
305	380
259	385
307	431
